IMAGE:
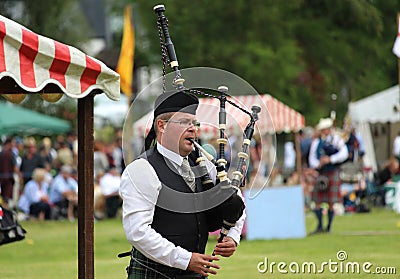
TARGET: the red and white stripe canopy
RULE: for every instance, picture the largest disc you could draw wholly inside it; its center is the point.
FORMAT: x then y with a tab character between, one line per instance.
34	61
275	116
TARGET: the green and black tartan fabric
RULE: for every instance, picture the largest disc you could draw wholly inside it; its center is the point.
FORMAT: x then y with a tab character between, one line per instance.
141	267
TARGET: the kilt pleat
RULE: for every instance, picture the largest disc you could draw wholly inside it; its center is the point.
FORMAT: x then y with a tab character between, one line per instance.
332	195
141	267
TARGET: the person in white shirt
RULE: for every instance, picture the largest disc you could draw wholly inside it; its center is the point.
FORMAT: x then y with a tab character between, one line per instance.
64	193
34	200
396	147
109	184
167	235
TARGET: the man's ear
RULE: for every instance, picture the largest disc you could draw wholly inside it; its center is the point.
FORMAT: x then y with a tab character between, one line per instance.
160	125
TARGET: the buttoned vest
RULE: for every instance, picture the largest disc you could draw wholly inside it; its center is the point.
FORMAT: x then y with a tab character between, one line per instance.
187	230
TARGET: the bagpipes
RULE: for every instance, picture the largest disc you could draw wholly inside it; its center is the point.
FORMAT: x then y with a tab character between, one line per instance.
231	209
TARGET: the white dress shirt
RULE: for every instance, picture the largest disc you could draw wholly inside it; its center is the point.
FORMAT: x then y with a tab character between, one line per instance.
396	146
140	187
336	158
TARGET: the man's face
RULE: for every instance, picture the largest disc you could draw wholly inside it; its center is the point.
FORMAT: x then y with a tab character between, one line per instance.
325	132
176	132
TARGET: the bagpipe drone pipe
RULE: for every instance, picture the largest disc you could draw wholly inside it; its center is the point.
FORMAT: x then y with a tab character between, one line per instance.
227	213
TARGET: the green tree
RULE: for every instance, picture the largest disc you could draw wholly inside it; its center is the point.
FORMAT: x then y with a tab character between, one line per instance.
61	20
300	51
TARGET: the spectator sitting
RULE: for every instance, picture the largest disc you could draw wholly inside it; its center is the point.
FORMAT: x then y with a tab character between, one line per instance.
98	197
63	192
385	175
34	200
109	184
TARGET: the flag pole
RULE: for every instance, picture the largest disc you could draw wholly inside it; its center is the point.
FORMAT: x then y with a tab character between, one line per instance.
125	67
398	58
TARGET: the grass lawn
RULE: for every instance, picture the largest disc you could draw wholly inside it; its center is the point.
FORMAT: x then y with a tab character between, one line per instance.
50	250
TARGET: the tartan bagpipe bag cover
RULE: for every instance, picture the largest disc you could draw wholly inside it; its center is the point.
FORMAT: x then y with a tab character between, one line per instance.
10	229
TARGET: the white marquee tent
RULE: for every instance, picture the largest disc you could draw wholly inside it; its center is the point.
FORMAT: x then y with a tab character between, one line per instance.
381	107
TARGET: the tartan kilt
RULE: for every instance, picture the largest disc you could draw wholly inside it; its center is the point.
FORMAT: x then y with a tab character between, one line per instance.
141	267
333	194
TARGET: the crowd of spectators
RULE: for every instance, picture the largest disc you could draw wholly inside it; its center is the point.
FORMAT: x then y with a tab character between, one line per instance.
39	179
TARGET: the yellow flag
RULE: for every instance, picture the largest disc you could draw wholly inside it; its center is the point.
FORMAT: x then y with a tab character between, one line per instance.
125	61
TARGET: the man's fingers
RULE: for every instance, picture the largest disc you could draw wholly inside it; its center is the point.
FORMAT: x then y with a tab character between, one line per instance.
225	248
209	258
224	251
210	265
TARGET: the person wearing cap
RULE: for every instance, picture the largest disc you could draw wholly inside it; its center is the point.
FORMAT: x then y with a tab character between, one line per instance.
327	152
169	243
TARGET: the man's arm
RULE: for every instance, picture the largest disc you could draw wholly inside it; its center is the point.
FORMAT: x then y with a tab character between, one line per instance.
236	231
312	157
139	190
342	154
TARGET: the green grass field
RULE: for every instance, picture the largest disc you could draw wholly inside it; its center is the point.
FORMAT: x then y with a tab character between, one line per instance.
50	250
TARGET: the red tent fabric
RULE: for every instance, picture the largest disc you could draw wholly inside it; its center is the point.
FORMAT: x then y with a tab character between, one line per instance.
275	116
34	61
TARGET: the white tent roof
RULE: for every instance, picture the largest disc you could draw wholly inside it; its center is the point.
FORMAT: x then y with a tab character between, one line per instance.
379	107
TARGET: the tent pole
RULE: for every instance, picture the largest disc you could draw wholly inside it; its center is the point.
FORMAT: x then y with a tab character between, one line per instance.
85	188
398	58
298	153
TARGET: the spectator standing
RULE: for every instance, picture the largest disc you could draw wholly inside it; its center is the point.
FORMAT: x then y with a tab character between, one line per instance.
289	160
118	155
65	157
8	166
396	146
109	184
100	162
305	143
31	159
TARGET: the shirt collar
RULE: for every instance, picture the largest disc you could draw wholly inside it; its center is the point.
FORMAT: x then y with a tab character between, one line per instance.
170	155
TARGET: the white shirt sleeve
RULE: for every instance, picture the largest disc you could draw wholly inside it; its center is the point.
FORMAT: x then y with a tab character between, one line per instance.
343	152
139	190
312	157
236	231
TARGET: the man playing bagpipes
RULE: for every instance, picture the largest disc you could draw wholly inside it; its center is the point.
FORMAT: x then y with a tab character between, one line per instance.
327	152
168	233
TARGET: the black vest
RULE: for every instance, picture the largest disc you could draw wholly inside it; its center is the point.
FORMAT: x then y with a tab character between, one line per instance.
187	230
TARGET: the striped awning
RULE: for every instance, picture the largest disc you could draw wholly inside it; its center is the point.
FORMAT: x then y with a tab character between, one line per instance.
275	116
34	62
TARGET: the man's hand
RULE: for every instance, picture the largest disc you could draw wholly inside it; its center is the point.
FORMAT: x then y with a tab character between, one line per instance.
202	264
226	248
324	160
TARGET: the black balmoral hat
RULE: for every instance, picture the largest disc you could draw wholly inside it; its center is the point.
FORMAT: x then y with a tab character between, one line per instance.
176	101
